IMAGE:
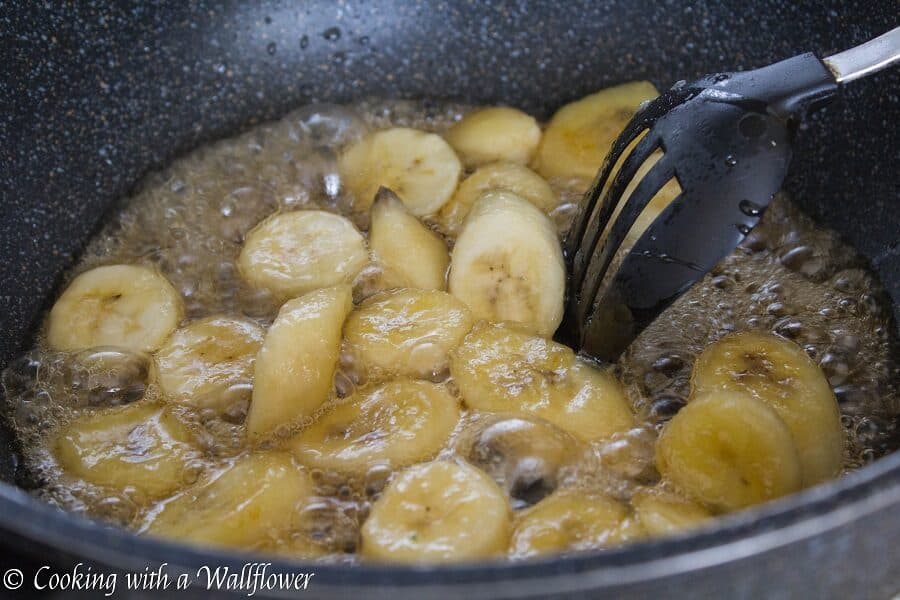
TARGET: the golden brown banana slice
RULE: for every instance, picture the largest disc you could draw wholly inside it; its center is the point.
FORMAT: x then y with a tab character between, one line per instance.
141	446
581	133
407	332
251	503
411	255
729	450
507	264
657	204
294	371
572	520
117	305
420	167
526	456
663	513
325	525
495	133
779	373
203	359
512	177
294	253
500	368
437	512
394	424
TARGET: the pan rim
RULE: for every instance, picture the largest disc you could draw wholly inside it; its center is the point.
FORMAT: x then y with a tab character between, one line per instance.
779	523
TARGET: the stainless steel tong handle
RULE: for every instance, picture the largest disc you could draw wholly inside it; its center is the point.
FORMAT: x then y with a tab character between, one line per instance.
874	55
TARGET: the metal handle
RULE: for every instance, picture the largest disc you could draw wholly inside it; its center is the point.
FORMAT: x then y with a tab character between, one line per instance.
874	55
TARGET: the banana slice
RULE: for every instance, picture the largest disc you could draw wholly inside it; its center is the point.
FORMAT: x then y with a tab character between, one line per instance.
420	167
394	424
407	332
437	512
503	369
580	134
507	264
294	253
203	359
326	525
411	255
294	370
729	450
572	520
779	373
495	133
251	503
142	447
661	513
117	305
657	204
512	177
525	456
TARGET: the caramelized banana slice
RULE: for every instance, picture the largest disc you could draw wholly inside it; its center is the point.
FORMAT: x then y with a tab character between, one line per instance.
507	264
525	456
142	446
503	369
394	424
779	373
729	450
201	360
420	167
294	253
407	332
437	512
252	503
118	305
411	255
580	134
657	204
662	513
294	372
495	133
508	176
571	520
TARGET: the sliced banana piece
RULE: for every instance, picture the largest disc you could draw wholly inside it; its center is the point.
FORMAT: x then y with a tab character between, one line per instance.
507	264
294	253
495	133
142	447
500	368
508	176
662	513
581	133
572	520
393	424
326	525
526	456
420	167
117	305
411	255
251	503
729	450
779	373
437	512
294	371
203	359
657	204
407	332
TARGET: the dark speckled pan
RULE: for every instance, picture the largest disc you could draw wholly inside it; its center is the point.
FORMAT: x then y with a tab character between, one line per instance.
93	95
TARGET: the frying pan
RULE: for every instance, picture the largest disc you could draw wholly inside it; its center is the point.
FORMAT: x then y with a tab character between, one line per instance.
93	95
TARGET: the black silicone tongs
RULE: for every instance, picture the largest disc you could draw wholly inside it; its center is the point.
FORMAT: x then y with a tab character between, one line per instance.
727	139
